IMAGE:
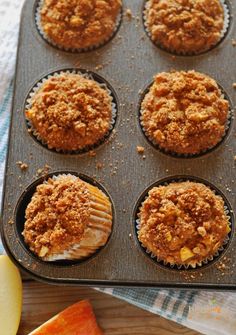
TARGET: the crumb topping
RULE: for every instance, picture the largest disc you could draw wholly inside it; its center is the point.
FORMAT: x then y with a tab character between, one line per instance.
183	223
140	149
185	25
57	215
70	112
184	112
79	24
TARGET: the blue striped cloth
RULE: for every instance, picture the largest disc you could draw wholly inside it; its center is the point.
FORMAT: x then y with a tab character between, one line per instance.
208	312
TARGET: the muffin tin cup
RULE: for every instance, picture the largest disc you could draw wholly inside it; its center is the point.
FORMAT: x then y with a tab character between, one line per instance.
227	22
156	145
39	4
88	75
207	261
24	200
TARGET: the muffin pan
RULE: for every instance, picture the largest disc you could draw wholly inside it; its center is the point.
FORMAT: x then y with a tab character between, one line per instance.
128	62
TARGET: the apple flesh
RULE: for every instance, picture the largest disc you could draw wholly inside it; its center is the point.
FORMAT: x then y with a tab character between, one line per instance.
10	297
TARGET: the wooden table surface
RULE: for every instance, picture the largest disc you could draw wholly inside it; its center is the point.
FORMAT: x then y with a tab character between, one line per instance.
114	316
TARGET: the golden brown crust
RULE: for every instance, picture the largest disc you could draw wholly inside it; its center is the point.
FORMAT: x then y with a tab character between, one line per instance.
70	112
185	25
184	112
183	223
57	214
79	24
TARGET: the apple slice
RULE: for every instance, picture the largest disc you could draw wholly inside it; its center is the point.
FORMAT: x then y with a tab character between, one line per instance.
77	319
10	297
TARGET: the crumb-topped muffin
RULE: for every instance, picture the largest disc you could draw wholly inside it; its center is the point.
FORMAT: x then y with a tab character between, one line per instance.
184	112
70	112
79	24
185	26
67	218
183	223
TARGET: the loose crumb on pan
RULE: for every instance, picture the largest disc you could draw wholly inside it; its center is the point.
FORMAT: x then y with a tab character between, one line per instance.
22	166
233	41
183	223
79	24
11	221
99	165
140	149
185	25
43	171
92	153
70	112
129	14
184	112
234	85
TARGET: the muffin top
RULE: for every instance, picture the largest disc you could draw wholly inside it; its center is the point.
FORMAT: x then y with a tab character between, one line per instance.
79	24
183	223
70	112
187	26
57	215
184	112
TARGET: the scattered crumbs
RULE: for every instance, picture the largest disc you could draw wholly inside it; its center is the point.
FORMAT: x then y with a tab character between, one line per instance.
99	67
22	166
11	221
92	153
224	266
144	157
128	13
124	210
43	171
130	235
233	42
99	165
191	276
140	150
235	158
234	85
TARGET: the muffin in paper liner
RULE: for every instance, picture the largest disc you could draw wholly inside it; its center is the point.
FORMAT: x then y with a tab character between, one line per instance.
92	47
224	31
194	264
97	229
156	145
87	75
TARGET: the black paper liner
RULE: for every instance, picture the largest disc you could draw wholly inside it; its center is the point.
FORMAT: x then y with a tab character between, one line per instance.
227	25
24	200
208	261
87	74
37	7
228	127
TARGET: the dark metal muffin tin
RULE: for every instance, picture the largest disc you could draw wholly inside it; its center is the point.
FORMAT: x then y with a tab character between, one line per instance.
129	63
